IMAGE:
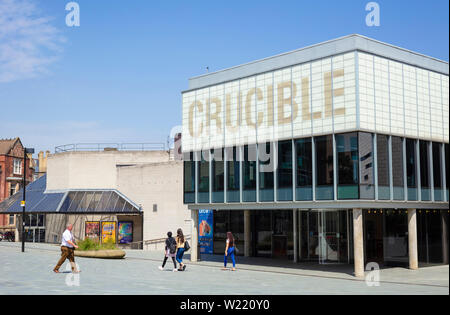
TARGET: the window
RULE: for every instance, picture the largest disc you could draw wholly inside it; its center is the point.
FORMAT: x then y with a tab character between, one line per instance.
233	174
383	167
303	151
437	172
348	171
249	174
203	178
411	169
424	171
284	171
324	166
397	168
266	170
218	176
17	166
366	159
189	178
11	219
12	189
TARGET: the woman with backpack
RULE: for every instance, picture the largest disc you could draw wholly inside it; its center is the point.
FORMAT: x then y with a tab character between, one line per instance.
229	252
170	250
181	248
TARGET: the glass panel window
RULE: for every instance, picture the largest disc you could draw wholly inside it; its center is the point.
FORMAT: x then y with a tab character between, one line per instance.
189	178
218	179
266	170
348	171
284	171
17	166
366	166
233	173
324	166
447	167
383	167
11	219
397	168
437	172
203	179
424	171
95	201
411	169
249	174
303	151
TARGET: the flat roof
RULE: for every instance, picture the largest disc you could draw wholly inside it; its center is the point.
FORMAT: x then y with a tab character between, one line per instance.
354	42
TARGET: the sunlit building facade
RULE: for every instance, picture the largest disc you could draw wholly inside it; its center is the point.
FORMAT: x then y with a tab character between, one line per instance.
335	153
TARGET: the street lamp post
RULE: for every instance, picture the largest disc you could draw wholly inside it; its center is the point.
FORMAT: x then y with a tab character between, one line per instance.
24	184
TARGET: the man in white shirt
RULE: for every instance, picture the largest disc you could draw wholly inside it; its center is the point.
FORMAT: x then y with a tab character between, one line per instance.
67	250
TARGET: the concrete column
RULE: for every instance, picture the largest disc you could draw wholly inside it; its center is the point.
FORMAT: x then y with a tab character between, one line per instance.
294	216
412	239
194	236
358	242
247	234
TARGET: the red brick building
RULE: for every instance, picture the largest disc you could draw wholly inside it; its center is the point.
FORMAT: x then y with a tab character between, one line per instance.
11	175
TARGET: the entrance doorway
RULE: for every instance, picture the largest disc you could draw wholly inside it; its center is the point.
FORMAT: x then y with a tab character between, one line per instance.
324	236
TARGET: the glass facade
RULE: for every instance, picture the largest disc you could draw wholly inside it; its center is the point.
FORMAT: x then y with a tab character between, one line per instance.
411	169
284	171
249	174
228	221
447	168
218	176
397	169
324	168
233	175
384	192
437	172
425	179
303	153
203	179
348	169
365	163
266	171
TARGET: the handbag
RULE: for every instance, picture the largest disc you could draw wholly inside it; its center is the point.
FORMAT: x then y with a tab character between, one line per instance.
186	246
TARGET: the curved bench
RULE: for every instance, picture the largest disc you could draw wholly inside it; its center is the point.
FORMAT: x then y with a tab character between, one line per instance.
102	254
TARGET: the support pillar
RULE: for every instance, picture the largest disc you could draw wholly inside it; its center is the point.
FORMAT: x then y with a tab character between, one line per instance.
358	242
412	240
194	236
247	234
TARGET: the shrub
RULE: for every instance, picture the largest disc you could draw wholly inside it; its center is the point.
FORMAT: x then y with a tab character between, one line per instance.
90	244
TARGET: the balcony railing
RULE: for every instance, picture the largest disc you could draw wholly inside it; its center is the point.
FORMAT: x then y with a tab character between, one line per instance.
98	147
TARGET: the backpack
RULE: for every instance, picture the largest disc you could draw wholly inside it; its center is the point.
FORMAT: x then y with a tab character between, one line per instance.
172	246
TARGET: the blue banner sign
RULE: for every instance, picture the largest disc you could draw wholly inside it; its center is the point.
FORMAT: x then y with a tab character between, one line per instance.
205	231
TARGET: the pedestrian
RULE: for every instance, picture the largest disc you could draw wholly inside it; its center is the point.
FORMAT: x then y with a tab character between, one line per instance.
68	247
180	249
229	252
170	251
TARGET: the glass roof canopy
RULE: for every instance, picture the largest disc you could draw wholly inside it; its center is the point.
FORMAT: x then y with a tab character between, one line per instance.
79	201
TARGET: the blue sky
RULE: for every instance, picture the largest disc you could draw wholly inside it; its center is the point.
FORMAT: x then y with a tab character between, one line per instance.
119	76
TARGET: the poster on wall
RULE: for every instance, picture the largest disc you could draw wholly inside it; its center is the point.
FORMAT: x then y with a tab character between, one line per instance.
125	234
92	230
205	231
108	231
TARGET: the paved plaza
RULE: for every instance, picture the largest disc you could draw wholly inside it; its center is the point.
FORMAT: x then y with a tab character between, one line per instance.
31	273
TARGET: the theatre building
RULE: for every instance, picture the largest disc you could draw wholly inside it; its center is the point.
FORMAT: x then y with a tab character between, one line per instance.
333	153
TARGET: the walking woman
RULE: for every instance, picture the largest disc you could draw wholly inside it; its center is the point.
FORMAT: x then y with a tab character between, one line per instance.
170	251
229	252
180	249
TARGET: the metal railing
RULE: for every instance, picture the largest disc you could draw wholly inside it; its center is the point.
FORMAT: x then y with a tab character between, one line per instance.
154	242
98	147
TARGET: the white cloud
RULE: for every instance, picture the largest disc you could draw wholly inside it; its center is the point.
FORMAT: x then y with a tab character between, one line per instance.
28	41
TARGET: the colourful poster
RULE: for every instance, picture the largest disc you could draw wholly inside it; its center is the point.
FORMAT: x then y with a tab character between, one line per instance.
108	231
125	234
92	230
205	231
